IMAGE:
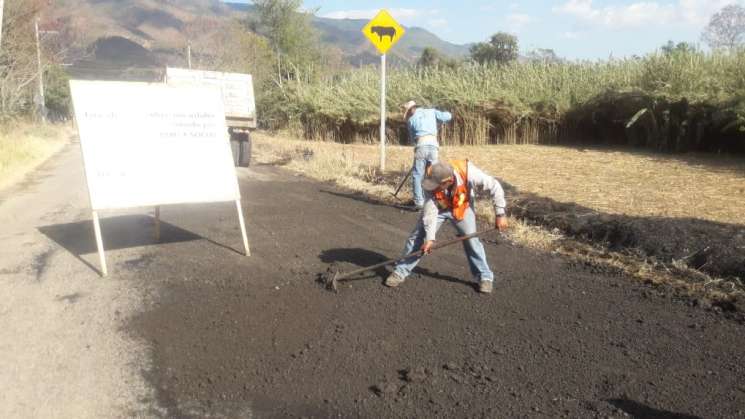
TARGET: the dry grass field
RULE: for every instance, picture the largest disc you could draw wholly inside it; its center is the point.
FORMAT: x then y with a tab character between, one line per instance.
610	181
24	146
617	182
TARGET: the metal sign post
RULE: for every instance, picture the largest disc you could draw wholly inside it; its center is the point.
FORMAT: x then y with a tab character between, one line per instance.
383	32
382	112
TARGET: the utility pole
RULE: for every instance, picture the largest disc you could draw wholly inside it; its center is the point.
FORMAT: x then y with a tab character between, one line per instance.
188	53
1	23
41	103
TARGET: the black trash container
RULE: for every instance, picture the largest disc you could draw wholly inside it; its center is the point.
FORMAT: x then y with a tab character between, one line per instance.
240	144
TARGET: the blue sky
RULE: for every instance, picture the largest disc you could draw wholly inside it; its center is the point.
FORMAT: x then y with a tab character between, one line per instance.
575	29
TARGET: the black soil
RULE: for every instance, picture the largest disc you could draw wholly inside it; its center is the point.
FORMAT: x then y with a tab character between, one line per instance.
234	336
714	248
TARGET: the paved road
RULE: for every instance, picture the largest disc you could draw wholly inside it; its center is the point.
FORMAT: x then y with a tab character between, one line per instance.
61	342
191	328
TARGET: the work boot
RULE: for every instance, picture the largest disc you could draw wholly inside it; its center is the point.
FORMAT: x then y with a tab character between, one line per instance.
394	280
486	287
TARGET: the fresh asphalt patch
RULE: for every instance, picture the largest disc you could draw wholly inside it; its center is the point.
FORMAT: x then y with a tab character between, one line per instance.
235	336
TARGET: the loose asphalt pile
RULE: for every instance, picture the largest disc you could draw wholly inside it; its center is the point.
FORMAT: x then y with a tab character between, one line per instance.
232	336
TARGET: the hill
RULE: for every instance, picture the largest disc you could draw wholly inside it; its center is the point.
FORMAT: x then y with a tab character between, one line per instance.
162	27
345	34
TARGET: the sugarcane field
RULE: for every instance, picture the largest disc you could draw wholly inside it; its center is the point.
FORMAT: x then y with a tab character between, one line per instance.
317	209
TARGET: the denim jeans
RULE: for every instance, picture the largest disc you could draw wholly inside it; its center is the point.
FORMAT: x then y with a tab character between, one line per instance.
422	155
473	247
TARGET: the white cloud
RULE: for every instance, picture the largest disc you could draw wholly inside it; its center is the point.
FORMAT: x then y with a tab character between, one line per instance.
498	8
698	12
517	21
691	12
370	13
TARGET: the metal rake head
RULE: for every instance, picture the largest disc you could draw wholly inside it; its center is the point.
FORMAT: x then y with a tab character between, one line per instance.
329	279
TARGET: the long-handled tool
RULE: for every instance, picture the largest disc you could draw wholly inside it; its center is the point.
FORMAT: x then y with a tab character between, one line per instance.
401	185
331	279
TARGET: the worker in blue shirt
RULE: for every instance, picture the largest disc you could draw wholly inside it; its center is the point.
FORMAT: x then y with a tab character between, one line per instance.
422	124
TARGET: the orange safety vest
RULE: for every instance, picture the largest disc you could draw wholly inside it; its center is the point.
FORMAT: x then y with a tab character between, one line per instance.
459	200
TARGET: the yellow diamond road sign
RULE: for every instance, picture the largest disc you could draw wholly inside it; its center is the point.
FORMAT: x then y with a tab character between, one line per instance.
383	31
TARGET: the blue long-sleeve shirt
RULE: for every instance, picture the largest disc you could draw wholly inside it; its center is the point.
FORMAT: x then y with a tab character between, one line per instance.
424	122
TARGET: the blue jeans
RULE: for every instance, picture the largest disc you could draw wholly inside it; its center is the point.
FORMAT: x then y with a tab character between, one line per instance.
473	247
422	155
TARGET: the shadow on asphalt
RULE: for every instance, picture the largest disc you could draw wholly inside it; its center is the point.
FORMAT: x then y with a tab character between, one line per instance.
363	257
640	411
361	197
119	232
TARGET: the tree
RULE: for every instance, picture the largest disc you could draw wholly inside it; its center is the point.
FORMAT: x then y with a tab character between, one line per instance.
726	29
229	46
57	93
429	58
680	48
543	55
18	66
432	58
501	48
291	35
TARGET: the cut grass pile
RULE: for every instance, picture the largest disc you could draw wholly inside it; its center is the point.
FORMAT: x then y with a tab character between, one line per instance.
24	146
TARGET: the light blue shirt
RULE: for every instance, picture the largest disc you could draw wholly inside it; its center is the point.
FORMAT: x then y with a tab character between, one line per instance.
424	122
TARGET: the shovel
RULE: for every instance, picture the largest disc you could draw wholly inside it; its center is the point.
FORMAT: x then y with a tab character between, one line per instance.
331	279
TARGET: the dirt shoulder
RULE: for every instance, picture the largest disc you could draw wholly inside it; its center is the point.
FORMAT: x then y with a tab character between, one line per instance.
235	336
64	354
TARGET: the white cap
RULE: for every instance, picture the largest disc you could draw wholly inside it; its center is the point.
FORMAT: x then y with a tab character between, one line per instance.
406	106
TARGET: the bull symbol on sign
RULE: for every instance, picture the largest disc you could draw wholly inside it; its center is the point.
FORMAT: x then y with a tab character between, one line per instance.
382	31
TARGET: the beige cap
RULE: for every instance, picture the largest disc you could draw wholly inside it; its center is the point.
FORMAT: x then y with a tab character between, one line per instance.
437	173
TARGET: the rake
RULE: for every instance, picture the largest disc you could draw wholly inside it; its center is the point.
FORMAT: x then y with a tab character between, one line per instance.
331	279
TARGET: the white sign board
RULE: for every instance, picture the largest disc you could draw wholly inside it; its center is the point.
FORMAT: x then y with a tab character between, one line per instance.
152	144
237	89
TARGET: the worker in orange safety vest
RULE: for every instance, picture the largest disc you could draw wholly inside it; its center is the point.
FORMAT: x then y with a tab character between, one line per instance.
449	194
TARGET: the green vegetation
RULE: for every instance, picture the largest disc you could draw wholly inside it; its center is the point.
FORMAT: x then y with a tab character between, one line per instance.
432	58
57	93
23	146
527	102
501	48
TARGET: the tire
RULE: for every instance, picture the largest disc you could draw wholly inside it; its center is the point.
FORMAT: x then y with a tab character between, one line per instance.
240	145
246	150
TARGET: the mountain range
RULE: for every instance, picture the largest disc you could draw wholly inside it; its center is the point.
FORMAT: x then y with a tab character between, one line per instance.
150	33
